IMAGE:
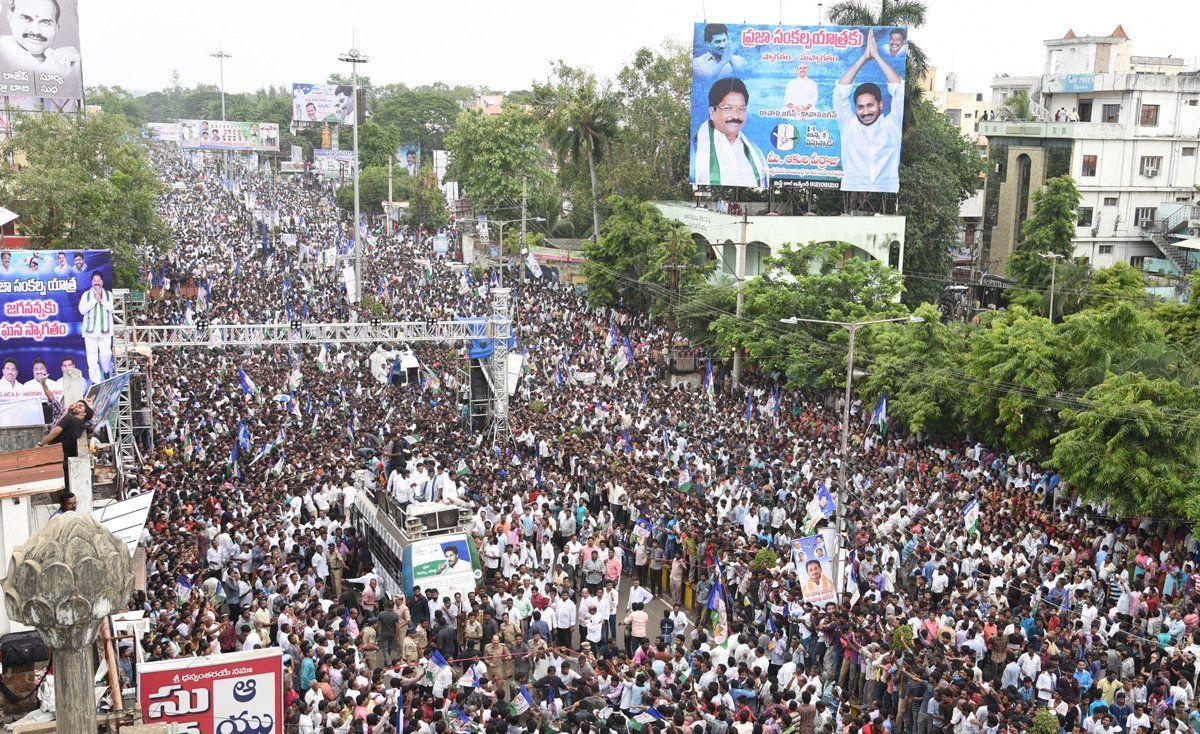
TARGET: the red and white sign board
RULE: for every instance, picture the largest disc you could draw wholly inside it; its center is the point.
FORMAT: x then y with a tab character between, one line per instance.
234	693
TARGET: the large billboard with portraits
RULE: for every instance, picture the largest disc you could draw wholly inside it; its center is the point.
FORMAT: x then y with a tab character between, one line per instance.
323	103
57	312
336	164
39	49
821	105
246	137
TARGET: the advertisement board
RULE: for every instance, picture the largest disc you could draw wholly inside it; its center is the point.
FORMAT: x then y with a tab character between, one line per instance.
337	164
240	692
408	155
39	49
823	105
815	568
323	103
228	135
57	312
166	132
448	563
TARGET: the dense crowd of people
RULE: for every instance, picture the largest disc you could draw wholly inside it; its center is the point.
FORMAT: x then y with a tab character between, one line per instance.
623	528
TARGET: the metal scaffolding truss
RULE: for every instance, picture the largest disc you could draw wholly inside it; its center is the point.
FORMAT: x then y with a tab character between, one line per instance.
129	338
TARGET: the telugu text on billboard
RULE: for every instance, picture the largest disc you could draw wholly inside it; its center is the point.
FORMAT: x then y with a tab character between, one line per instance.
57	313
39	49
165	132
818	104
337	164
235	692
323	103
228	135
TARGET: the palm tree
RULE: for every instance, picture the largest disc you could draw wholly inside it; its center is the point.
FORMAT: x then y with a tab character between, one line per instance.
581	120
907	13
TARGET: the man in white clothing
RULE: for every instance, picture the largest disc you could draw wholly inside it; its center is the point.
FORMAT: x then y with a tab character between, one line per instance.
870	134
722	155
801	92
96	306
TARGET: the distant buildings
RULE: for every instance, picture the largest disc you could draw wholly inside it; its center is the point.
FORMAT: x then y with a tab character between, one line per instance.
1126	128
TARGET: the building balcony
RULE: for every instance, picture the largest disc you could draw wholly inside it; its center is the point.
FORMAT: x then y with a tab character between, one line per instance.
1064	130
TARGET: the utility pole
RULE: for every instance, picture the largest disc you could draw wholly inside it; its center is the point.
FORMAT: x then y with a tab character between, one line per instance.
741	286
220	56
390	205
354	58
524	197
1053	257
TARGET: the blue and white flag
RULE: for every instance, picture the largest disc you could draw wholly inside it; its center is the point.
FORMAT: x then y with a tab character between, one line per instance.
248	385
970	515
716	606
879	416
243	436
183	588
521	702
649	715
709	386
749	407
400	713
233	459
613	338
437	658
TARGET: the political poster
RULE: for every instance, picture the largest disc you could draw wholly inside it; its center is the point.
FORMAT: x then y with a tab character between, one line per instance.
228	135
57	313
39	49
105	395
323	103
238	692
448	563
338	164
408	155
819	106
815	568
970	514
163	132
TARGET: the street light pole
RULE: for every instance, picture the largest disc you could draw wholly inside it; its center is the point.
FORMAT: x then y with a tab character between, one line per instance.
842	492
220	56
503	258
354	58
1053	257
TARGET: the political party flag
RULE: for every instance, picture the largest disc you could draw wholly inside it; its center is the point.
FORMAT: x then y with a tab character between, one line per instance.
649	715
462	469
534	266
278	468
822	506
233	458
709	386
521	703
400	713
613	337
469	679
248	386
879	416
323	359
718	613
749	407
183	588
437	658
970	514
243	436
622	358
628	443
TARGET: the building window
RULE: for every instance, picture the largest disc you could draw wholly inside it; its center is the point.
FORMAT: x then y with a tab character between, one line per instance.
1085	216
1149	116
1110	201
1194	102
1137	261
955	117
1089	166
1106	249
1189	152
1111	113
1150	165
1143	216
1085	110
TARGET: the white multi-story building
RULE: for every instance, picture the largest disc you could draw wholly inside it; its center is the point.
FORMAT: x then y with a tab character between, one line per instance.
1131	125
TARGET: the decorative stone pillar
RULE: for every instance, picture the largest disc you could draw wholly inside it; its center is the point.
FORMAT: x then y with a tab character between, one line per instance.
64	581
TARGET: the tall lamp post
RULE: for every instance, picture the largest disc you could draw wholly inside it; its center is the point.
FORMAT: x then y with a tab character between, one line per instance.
1053	257
354	58
852	327
503	259
220	56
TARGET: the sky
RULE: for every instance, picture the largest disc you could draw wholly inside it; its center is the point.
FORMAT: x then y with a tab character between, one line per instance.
505	45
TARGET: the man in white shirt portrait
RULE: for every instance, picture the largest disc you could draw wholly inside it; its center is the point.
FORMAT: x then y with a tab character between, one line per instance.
717	61
801	93
870	133
35	24
722	155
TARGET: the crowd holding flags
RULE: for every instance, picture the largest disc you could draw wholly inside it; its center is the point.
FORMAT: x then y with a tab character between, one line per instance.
247	384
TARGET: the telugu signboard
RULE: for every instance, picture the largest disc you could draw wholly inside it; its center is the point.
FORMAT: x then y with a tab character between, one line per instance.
236	692
337	164
323	103
39	49
822	105
228	135
57	308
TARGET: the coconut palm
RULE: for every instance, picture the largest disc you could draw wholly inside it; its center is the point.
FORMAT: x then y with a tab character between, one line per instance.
907	13
581	120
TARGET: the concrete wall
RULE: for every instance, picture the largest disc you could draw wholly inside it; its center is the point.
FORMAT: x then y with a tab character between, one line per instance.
1005	235
20	437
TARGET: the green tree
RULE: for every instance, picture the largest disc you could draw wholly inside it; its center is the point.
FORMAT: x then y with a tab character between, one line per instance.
1133	442
489	156
700	305
919	365
815	280
427	207
83	184
1110	339
648	158
373	190
1018	106
1050	229
617	262
1119	282
939	168
581	121
1014	379
675	265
